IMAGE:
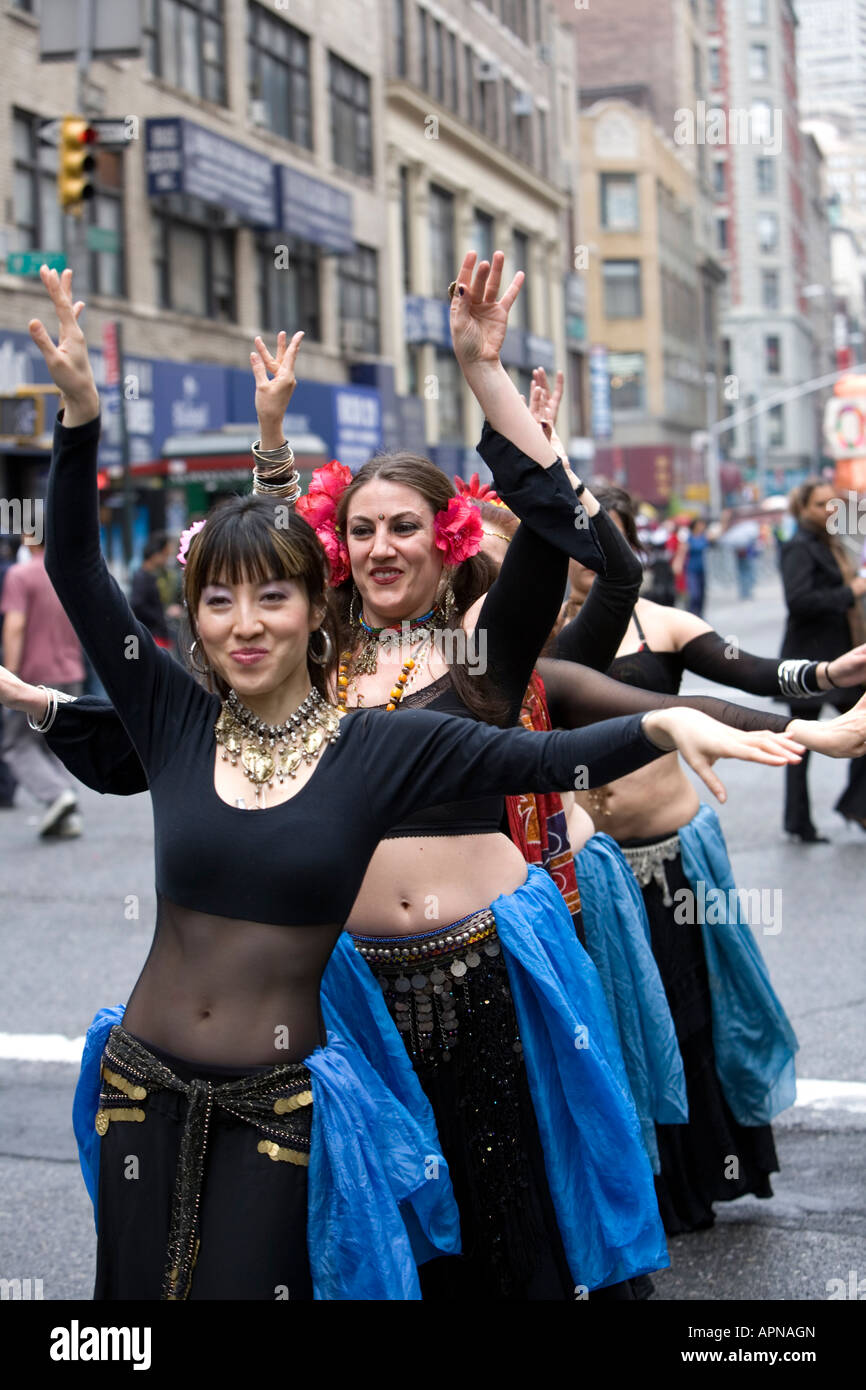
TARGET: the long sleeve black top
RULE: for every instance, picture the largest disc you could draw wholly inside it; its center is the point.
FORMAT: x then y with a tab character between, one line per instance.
303	860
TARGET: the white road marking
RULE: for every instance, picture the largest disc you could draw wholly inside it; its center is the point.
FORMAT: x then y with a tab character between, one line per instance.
54	1047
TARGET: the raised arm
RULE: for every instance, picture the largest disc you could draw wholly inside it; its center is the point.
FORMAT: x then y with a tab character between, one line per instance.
156	699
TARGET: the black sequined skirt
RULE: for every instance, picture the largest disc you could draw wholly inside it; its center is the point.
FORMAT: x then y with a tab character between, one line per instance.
449	995
713	1158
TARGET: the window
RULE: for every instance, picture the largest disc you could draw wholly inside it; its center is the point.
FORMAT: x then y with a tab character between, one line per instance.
442	246
759	67
279	71
770	289
761	121
423	49
712	13
185	45
359	299
289	295
405	230
453	82
482	235
622	289
722	233
105	210
756	11
627	381
194	260
542	141
714	67
488	109
438	88
469	63
776	426
398	24
765	174
719	176
449	406
26	5
619	208
522	317
773	355
38	220
351	125
768	231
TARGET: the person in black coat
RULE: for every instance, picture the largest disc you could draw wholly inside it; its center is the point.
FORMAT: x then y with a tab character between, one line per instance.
825	619
144	598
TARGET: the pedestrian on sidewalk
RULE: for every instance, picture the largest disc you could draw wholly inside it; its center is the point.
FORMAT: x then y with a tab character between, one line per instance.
825	617
696	567
39	646
145	598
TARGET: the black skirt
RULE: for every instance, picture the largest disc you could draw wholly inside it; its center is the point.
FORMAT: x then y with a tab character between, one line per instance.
253	1213
712	1158
461	1033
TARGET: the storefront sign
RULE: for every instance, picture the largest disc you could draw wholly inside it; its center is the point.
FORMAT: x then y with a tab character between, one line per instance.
185	158
315	211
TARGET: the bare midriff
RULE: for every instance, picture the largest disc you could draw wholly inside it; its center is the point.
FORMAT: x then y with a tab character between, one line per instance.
656	800
231	993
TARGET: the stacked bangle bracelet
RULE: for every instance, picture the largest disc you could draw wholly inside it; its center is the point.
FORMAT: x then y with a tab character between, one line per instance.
55	698
278	476
799	679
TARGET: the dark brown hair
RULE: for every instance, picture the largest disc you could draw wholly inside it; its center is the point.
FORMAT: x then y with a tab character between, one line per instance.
251	540
616	499
469	580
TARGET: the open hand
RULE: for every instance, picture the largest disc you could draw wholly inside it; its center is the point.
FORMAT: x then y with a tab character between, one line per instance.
67	360
478	319
702	740
842	737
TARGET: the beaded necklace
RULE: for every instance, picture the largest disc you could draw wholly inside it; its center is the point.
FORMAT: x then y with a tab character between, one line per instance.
408	670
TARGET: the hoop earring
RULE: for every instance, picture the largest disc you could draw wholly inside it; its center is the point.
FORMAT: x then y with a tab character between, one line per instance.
325	658
201	671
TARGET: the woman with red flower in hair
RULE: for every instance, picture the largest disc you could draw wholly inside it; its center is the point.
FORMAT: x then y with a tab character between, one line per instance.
496	1003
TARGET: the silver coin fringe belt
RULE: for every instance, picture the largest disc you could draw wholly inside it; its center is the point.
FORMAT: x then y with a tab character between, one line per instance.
276	1102
647	863
424	978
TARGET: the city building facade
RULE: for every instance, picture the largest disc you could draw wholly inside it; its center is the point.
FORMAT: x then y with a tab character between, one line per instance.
638	203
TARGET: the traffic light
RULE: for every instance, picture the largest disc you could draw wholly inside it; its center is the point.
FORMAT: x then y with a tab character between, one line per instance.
75	163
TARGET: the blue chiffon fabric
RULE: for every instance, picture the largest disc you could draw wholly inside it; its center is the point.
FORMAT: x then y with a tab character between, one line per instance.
379	1194
597	1169
753	1040
618	943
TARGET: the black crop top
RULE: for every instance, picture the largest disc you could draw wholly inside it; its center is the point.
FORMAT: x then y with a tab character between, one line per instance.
303	860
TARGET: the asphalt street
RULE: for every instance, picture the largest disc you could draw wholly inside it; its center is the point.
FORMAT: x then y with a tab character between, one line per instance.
76	920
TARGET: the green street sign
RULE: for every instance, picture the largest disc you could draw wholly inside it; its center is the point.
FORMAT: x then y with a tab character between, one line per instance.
28	262
102	239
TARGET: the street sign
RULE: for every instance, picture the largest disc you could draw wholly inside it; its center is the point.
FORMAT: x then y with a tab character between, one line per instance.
112	132
102	239
28	262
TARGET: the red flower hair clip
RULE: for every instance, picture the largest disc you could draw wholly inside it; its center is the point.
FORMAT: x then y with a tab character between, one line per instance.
319	509
458	531
475	490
